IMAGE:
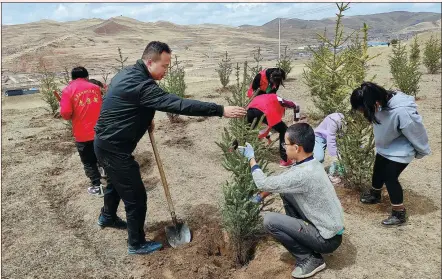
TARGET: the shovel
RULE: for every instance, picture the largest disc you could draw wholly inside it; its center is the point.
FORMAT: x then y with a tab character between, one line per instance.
178	233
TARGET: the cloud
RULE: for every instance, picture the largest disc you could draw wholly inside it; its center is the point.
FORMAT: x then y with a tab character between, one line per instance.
61	12
195	13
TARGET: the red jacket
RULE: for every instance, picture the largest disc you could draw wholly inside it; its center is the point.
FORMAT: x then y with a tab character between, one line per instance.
263	83
81	102
272	106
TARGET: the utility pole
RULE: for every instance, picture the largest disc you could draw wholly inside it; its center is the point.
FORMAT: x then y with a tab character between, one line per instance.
279	32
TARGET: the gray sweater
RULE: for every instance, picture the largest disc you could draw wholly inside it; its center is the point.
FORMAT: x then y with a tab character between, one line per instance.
401	136
312	191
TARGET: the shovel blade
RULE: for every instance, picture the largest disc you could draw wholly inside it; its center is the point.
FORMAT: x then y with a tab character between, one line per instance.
178	235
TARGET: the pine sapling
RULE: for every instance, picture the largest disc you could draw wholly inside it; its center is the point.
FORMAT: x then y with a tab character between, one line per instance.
240	216
355	139
120	60
415	51
174	83
285	62
48	85
432	55
66	78
105	76
406	74
258	67
326	74
224	70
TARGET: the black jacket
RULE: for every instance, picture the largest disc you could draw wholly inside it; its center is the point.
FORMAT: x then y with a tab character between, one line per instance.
130	104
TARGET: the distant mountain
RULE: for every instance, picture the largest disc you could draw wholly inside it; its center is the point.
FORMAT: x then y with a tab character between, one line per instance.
381	25
87	41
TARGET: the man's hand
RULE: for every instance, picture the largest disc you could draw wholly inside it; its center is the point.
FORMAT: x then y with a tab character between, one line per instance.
151	127
234	112
247	151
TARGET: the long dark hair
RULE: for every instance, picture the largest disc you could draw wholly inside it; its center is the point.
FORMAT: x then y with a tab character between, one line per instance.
278	76
365	97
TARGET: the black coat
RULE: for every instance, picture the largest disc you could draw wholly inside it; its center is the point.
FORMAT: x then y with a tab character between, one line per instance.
130	104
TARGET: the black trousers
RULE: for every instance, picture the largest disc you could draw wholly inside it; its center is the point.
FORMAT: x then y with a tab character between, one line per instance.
280	127
89	160
124	182
387	171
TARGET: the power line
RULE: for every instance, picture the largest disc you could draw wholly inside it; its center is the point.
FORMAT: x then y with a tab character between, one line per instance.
314	10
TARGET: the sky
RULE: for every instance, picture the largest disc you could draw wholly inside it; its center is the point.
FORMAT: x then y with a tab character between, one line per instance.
233	14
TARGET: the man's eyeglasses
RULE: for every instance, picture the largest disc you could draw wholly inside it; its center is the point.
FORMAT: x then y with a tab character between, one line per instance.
284	145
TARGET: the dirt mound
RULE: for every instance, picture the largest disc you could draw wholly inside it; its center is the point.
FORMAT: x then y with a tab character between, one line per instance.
110	27
205	257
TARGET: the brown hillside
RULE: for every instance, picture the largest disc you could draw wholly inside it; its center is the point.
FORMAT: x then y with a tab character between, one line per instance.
110	27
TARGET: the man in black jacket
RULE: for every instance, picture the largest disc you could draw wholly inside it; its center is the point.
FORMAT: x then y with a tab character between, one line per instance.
126	114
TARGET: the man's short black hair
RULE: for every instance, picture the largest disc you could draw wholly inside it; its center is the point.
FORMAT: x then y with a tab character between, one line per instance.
79	72
154	49
96	82
303	135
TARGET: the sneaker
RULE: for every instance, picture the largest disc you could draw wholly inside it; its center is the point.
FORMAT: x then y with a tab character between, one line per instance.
396	218
118	223
286	164
334	179
371	197
308	267
96	190
146	248
264	133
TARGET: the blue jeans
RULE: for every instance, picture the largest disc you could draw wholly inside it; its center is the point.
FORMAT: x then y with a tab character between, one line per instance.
319	154
319	149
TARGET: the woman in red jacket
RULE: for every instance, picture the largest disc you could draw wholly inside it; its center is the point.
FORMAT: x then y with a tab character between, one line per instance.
81	102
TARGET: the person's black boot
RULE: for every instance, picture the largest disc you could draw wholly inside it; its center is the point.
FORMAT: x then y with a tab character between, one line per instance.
371	197
396	218
116	223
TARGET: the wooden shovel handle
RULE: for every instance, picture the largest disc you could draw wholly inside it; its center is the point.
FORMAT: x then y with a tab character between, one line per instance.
163	178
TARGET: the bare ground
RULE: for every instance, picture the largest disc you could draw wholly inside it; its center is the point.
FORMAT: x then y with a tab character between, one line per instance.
49	222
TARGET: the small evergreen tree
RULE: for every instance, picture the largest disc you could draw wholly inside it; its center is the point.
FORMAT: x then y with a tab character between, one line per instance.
258	67
406	74
285	62
120	60
105	76
355	139
48	85
326	74
240	216
66	77
246	77
224	70
415	51
432	55
335	70
174	83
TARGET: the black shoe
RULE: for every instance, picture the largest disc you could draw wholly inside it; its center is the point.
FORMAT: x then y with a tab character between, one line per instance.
396	218
117	223
371	197
146	248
